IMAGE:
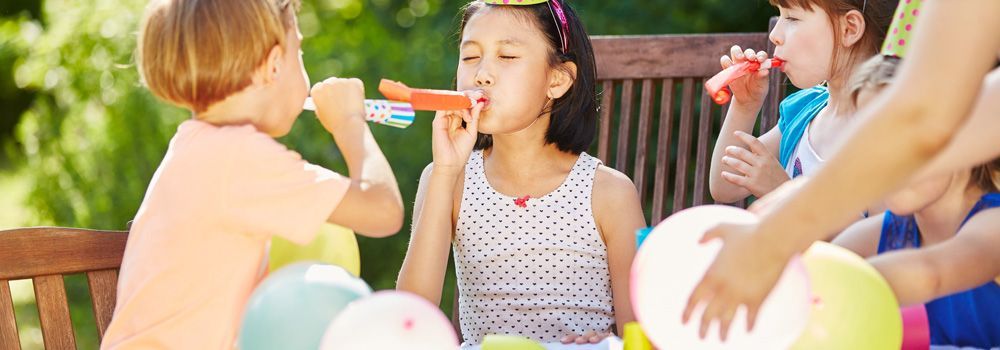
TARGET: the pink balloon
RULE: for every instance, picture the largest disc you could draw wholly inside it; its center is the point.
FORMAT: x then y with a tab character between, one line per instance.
671	262
916	330
390	320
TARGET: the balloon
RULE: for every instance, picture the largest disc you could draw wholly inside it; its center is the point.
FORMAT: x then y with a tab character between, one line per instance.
509	342
334	245
671	262
853	307
635	339
916	329
390	320
291	308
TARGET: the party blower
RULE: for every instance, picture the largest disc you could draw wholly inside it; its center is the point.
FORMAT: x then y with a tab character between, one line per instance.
718	86
401	102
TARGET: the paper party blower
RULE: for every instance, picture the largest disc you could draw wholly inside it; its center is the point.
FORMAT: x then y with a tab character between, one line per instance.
717	86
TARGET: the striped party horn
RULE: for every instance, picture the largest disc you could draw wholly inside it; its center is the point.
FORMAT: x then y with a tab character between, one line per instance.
391	113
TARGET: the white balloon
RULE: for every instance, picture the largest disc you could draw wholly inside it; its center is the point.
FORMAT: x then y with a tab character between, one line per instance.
671	262
390	320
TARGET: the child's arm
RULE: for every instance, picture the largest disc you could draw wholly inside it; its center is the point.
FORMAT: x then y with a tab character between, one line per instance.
862	238
976	142
965	261
426	259
902	129
748	97
619	215
372	205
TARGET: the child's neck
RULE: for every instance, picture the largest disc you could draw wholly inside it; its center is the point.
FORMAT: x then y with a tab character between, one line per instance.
942	219
524	154
839	101
241	108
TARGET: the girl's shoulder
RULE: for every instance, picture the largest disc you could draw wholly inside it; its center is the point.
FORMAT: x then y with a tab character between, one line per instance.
612	188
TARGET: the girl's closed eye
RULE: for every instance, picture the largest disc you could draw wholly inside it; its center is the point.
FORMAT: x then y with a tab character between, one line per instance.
509	58
469	58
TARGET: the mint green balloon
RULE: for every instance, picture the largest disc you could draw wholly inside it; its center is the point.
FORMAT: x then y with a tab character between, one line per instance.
292	307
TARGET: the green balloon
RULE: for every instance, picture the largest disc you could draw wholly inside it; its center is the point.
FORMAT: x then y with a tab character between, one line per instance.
292	307
509	342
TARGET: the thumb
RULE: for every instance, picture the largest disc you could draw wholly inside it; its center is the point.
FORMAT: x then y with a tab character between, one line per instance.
715	233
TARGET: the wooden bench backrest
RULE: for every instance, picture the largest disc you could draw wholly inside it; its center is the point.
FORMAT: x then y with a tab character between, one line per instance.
45	255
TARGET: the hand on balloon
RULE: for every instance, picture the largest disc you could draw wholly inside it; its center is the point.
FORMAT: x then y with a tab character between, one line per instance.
743	273
590	337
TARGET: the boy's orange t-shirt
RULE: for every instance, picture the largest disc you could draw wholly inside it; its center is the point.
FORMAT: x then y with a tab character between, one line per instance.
198	244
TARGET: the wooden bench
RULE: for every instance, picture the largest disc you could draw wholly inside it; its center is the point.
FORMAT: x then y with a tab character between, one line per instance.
656	123
45	255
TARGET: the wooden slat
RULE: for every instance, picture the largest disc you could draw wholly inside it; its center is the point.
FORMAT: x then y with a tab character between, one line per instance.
666	56
53	312
103	285
8	325
641	144
684	145
703	158
624	126
607	100
40	251
663	150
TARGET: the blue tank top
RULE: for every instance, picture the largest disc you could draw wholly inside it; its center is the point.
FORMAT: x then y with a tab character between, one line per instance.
965	319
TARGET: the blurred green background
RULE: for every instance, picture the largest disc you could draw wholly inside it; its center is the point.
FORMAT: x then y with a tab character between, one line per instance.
80	138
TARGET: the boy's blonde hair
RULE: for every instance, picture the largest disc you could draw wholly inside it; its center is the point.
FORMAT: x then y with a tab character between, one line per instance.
874	74
877	73
194	53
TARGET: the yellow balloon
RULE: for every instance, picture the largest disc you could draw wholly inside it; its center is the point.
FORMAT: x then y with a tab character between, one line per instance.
509	342
333	245
853	306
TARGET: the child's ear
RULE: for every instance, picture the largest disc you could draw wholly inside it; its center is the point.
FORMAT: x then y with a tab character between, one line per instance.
268	70
852	28
561	80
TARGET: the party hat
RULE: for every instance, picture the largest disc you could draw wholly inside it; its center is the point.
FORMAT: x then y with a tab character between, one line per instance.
897	40
514	2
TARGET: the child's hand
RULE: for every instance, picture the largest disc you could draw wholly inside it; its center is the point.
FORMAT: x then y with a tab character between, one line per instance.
743	273
749	89
452	143
587	338
760	171
339	100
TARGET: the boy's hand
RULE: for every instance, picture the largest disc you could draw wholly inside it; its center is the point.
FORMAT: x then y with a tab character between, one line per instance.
452	142
338	101
750	89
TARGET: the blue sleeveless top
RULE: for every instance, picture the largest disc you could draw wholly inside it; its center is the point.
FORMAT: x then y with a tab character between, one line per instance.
794	115
965	319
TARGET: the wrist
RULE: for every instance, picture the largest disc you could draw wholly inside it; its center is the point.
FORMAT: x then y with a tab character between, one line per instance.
351	123
447	171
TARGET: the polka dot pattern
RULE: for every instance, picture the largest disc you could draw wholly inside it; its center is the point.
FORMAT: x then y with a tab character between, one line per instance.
540	271
901	28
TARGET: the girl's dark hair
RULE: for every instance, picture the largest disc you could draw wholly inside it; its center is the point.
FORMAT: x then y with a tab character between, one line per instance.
877	14
573	121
